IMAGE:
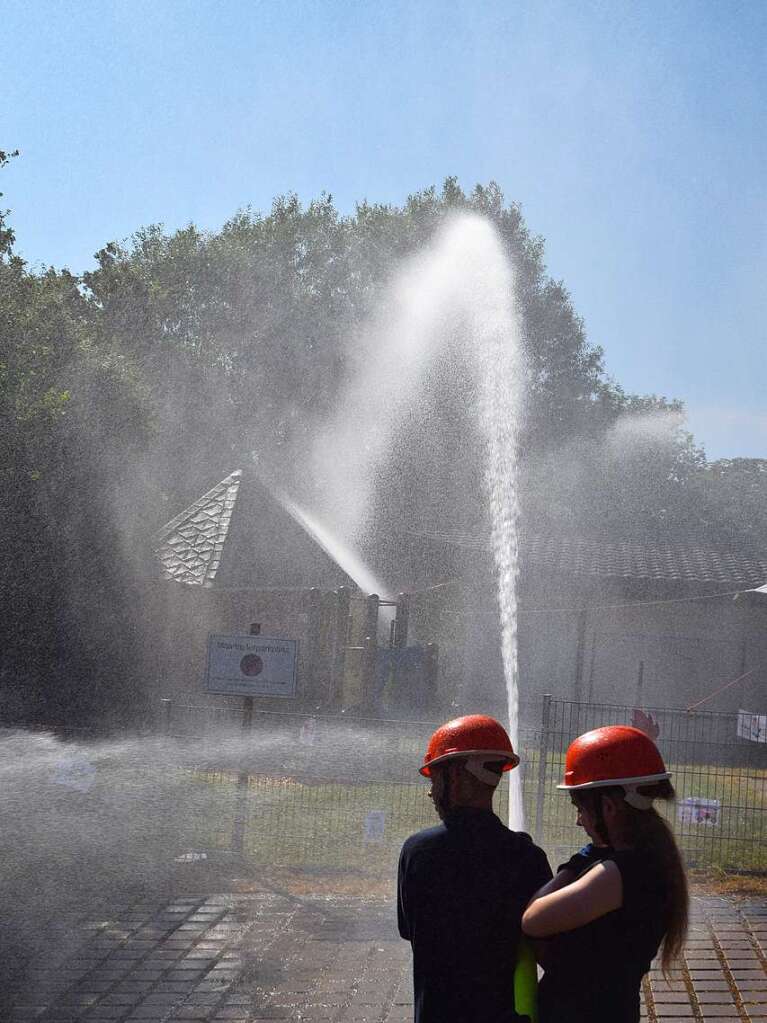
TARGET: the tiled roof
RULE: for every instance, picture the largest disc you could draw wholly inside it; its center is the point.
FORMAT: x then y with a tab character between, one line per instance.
189	547
743	565
241	536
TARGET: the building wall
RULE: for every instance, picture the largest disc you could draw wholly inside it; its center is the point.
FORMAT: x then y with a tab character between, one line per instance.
583	648
186	615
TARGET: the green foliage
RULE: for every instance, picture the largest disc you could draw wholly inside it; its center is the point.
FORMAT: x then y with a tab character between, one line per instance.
125	393
71	412
732	499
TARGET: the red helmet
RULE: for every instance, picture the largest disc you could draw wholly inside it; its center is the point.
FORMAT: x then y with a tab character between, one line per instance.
613	755
473	735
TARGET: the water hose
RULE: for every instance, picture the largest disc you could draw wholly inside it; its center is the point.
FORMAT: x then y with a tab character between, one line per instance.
526	982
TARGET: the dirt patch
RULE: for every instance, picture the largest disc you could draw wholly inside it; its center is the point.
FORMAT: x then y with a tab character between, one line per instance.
295	881
236	875
720	882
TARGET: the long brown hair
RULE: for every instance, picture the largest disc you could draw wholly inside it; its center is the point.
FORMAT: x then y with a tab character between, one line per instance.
647	832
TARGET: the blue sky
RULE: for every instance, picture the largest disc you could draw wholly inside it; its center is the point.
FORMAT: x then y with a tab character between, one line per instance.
633	134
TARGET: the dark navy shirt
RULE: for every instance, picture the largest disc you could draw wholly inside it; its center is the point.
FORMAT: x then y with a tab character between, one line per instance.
463	886
594	972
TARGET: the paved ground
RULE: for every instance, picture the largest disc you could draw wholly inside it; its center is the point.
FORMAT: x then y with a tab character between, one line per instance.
270	955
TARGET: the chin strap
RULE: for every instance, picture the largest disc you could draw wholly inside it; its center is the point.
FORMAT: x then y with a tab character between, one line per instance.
636	799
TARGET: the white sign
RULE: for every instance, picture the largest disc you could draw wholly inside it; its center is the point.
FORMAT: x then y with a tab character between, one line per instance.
251	666
375	824
697	810
752	726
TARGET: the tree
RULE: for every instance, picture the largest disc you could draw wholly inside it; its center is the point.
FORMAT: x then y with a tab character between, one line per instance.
126	393
70	415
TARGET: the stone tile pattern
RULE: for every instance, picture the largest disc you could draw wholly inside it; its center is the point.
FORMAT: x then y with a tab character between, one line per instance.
190	546
272	956
724	975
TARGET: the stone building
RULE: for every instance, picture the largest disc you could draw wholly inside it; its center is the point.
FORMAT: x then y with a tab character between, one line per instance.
629	623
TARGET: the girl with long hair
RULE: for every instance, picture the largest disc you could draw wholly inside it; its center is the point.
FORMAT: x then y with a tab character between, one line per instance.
614	904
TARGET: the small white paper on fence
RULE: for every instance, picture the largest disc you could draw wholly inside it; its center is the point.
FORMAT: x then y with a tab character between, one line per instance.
76	772
697	810
308	733
752	726
375	825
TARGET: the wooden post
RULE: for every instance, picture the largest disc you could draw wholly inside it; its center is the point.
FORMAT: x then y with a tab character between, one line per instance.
371	615
401	619
241	802
370	648
339	649
312	661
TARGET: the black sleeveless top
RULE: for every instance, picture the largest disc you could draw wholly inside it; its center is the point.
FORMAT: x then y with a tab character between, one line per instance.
594	973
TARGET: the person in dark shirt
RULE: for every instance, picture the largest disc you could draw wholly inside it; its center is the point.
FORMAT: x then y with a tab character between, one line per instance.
463	884
621	898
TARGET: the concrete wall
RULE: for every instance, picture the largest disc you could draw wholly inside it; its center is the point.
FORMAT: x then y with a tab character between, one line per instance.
688	648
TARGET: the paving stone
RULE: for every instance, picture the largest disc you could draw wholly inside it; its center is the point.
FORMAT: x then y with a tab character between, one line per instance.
674	1010
720	1012
241	959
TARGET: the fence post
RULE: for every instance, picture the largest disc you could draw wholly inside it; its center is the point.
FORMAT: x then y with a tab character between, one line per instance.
543	750
166	712
241	805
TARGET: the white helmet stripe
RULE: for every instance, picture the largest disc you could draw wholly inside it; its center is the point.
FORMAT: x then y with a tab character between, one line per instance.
645	779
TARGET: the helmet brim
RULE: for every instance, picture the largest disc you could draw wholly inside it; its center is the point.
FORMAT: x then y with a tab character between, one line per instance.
510	759
643	779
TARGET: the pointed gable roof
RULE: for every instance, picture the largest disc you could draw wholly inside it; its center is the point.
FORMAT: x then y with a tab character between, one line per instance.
190	546
239	536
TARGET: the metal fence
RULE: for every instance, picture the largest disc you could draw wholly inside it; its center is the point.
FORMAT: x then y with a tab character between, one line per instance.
326	792
720	814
